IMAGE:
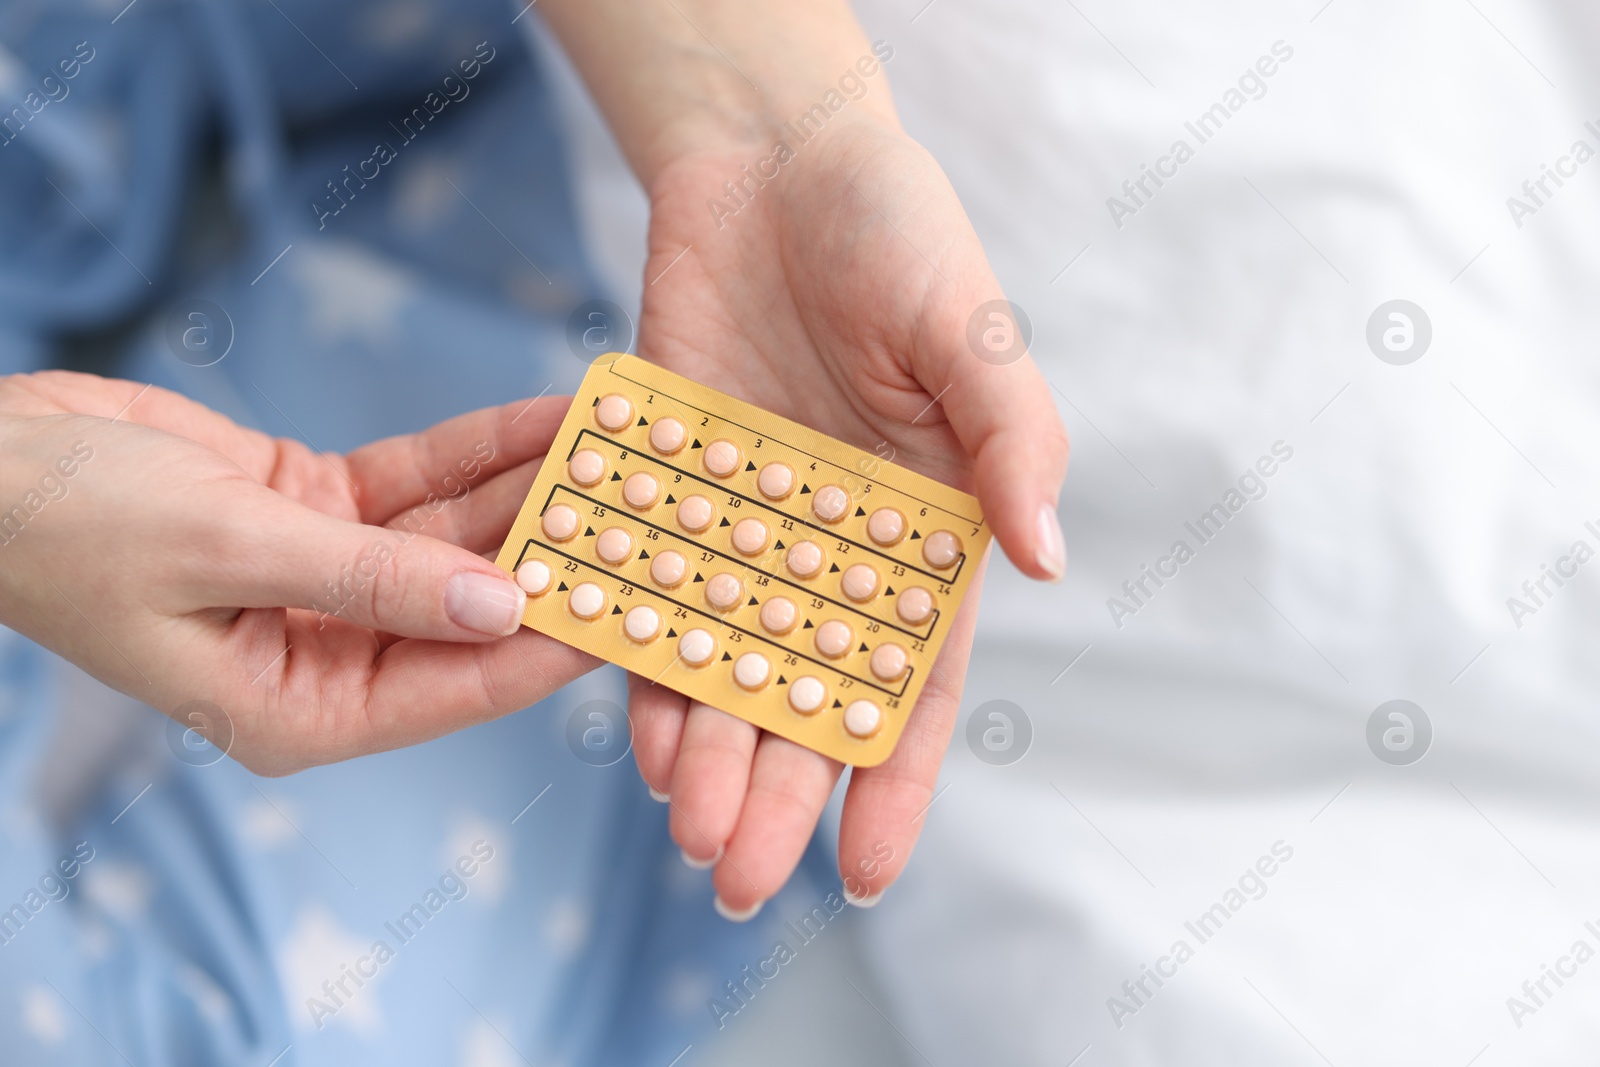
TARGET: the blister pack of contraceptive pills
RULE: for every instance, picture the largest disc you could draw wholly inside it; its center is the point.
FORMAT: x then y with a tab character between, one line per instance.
747	561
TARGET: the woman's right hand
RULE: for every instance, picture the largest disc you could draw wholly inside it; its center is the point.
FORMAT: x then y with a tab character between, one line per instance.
330	605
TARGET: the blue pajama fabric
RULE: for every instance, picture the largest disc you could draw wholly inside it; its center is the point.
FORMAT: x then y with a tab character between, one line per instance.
212	917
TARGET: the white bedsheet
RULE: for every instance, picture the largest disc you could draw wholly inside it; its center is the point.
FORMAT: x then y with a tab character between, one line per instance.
1229	712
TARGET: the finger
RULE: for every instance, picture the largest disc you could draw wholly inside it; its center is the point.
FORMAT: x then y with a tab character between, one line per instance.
658	715
397	474
789	787
999	405
1006	419
288	466
479	517
709	781
886	806
415	691
287	555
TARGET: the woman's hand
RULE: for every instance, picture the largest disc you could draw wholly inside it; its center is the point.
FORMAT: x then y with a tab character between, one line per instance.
838	294
330	605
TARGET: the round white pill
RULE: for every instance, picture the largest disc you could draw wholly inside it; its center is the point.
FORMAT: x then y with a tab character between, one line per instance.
614	412
775	481
831	503
752	670
668	569
614	545
587	600
534	577
722	457
862	718
642	623
806	694
750	537
667	435
560	522
641	490
696	647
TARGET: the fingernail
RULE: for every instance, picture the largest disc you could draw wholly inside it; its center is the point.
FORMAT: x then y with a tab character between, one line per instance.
869	900
658	796
737	916
700	865
484	603
1051	551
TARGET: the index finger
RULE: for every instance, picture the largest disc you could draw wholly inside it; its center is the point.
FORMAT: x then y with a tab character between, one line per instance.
399	472
886	806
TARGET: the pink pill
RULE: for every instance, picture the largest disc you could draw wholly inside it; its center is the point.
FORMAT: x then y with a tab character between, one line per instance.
614	545
750	537
724	591
804	559
831	503
775	481
833	638
941	549
586	467
722	457
695	513
614	412
668	569
667	435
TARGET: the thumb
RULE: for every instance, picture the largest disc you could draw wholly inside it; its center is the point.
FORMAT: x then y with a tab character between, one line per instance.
391	580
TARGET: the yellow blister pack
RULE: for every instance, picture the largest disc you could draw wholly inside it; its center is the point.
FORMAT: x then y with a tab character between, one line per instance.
753	564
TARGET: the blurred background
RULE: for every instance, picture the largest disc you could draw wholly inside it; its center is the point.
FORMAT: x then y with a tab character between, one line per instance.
1333	284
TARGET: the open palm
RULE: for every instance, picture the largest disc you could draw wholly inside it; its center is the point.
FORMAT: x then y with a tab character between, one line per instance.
838	294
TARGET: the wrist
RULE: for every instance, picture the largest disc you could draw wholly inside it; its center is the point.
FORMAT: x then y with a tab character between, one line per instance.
732	116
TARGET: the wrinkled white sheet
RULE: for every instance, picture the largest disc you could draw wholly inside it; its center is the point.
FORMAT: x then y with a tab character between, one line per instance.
1229	713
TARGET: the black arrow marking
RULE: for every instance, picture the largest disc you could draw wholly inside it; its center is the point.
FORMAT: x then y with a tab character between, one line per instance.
645	555
889	591
807	626
697	577
837	704
915	535
671	632
777	544
782	680
833	568
863	647
726	657
696	443
753	602
562	588
749	466
618	611
670	500
860	511
589	532
805	489
723	523
641	422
